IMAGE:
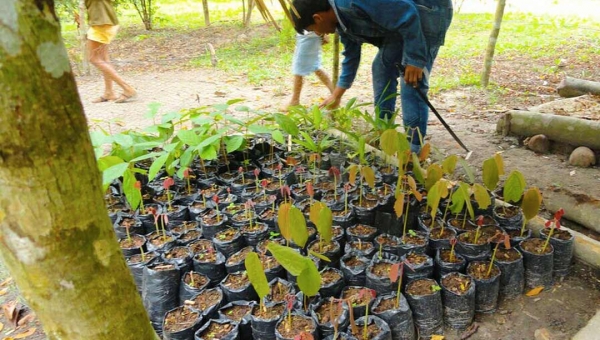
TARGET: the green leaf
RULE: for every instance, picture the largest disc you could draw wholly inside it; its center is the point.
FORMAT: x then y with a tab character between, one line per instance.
146	156
324	224
403	144
123	140
169	117
256	274
98	138
287	124
309	280
434	197
108	161
500	163
481	196
468	170
209	141
152	110
532	200
234	101
449	164
434	174
233	143
157	166
490	173
514	187
464	188
289	259
112	173
320	256
369	175
133	195
417	170
278	136
254	128
298	227
208	153
186	158
283	221
189	137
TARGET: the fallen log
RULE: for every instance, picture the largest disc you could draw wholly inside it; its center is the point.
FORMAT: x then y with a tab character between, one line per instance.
578	207
573	87
568	130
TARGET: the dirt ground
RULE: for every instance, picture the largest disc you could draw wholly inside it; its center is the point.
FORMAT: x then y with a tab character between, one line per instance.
171	82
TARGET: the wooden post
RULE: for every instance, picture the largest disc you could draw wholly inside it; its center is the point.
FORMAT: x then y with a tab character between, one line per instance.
82	30
489	53
206	15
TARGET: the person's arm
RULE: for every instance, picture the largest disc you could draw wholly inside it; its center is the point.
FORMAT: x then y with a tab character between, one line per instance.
350	64
402	17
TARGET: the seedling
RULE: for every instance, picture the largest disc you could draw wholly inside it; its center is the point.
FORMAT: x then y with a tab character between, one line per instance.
335	313
202	192
164	219
257	277
435	288
532	200
452	244
400	198
335	172
322	217
311	191
368	294
186	175
499	238
346	189
395	274
279	167
366	174
138	186
314	158
216	200
554	223
256	173
285	192
478	231
241	171
249	205
167	183
264	183
273	198
289	306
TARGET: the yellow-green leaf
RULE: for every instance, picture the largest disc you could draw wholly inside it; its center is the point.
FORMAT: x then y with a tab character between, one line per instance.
449	164
309	280
399	205
499	163
283	221
289	259
425	151
434	196
417	170
352	171
481	196
369	175
514	187
321	256
434	174
490	173
298	227
256	274
315	210
389	142
324	224
532	200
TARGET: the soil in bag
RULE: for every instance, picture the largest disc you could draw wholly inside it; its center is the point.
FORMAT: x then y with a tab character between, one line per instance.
278	290
236	262
236	286
353	267
181	323
473	249
359	298
415	242
363	232
377	329
192	283
136	264
562	241
425	300
289	328
421	267
512	272
378	276
387	243
221	329
366	249
239	311
487	285
329	312
160	290
397	314
207	302
538	263
228	241
458	298
445	263
255	233
179	256
136	244
332	282
263	321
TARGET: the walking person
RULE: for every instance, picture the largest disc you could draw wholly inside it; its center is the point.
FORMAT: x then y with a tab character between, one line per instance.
307	59
408	34
104	25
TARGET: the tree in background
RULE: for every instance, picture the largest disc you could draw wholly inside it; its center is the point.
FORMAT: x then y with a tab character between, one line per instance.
55	235
489	53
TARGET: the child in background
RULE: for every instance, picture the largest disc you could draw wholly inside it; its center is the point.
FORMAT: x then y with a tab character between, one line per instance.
307	59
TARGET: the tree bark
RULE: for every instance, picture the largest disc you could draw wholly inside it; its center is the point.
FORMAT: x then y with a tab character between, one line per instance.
55	235
336	58
568	130
491	47
206	14
248	17
573	87
85	62
579	207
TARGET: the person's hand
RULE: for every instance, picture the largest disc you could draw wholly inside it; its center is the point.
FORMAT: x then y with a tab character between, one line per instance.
332	102
412	75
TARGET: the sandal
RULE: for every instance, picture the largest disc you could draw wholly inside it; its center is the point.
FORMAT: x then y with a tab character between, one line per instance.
126	98
102	99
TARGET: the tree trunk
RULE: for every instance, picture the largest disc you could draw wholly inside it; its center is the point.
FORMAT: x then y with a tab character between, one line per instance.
336	58
85	62
248	17
579	207
573	87
206	14
568	130
489	53
55	235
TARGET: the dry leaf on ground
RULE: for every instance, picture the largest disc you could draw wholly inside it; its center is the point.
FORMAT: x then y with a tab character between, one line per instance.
1	326
535	291
24	320
5	282
11	311
25	334
3	291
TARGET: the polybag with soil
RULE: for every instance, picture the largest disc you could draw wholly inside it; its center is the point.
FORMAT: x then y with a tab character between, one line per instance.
160	290
398	317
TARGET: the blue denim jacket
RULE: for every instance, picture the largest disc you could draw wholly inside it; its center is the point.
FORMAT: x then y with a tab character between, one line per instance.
419	24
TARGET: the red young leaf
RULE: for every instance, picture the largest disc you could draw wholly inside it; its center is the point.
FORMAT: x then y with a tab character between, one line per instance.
256	172
168	182
291	161
228	190
548	224
215	199
285	190
272	197
264	183
138	185
559	214
186	173
506	241
394	271
347	187
557	224
480	220
156	216
300	169
334	171
249	204
240	169
289	299
309	189
279	166
453	241
152	210
165	218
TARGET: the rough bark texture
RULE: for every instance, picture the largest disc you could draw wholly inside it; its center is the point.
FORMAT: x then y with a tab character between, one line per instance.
336	58
55	235
206	14
578	207
569	130
491	47
82	30
573	87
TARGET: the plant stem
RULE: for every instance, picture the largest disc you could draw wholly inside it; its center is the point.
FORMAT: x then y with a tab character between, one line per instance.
351	312
452	253
142	254
398	292
335	187
445	212
162	223
169	199
547	239
128	235
406	218
192	279
477	234
489	271
523	227
346	203
365	333
189	187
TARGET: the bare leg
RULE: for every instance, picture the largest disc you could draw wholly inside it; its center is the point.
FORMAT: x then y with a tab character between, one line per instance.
298	80
324	78
98	53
